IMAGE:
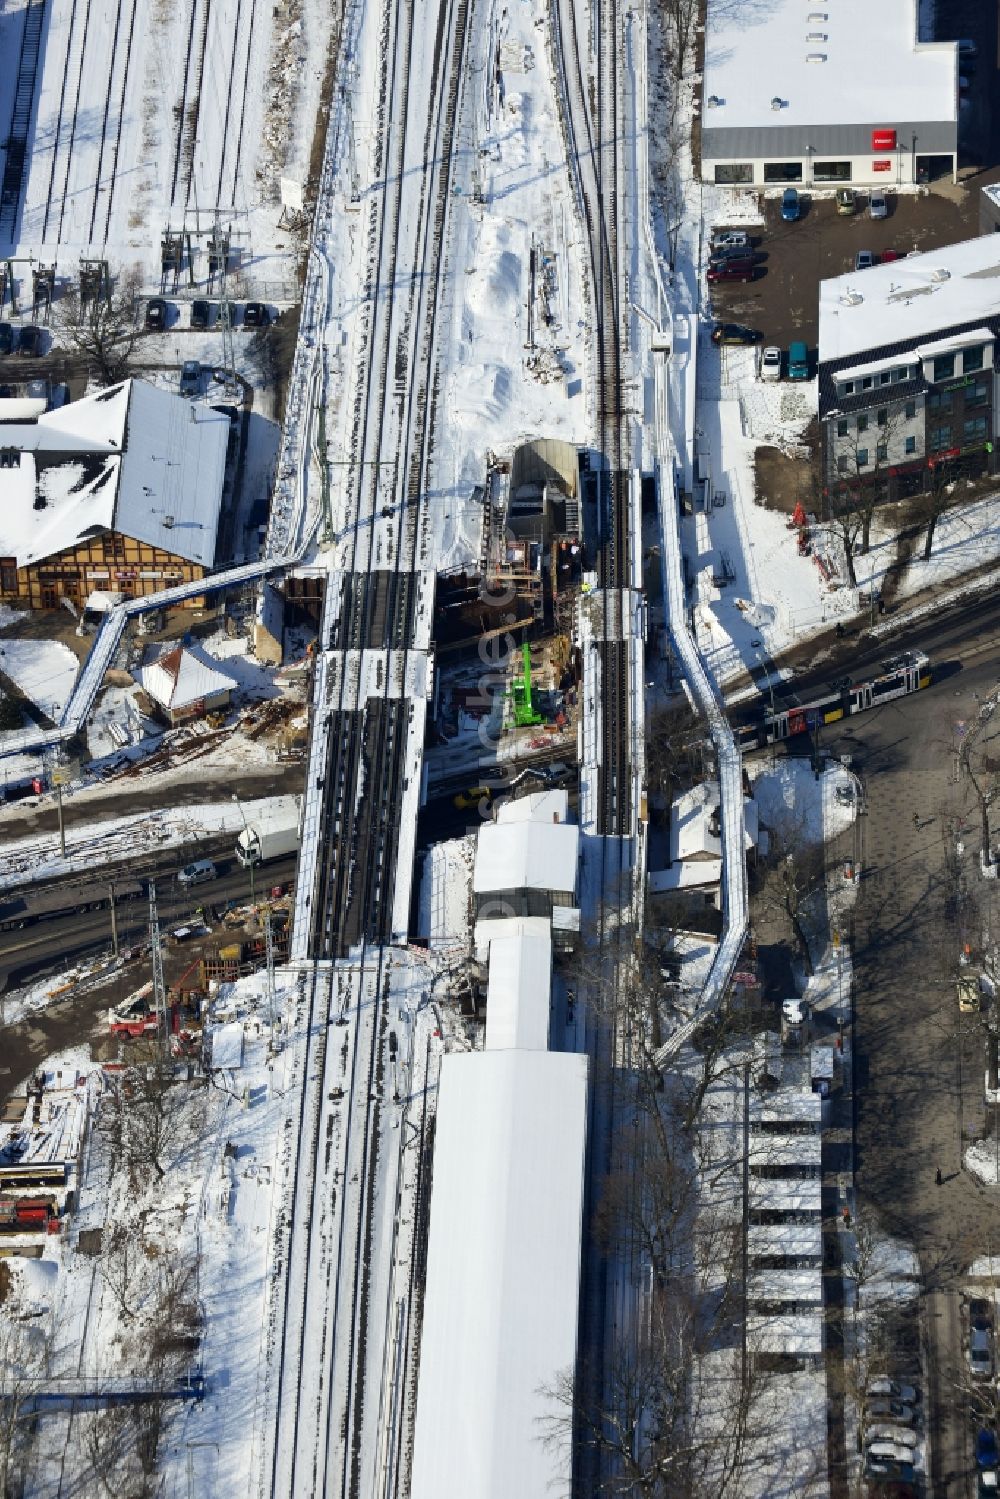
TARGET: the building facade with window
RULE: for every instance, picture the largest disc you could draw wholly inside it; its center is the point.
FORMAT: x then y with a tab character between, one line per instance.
908	372
824	95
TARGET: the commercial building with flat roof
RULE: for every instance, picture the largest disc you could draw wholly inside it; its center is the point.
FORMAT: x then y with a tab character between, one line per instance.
826	94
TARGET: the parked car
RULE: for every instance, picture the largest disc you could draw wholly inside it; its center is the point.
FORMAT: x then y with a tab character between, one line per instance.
882	1431
156	314
770	364
190	377
987	1453
6	338
733	270
791	208
197	873
255	315
891	1410
201	313
847	201
980	1310
720	253
29	341
38	390
878	206
886	257
988	1485
798	361
891	1389
968	995
980	1352
737	238
864	260
734	333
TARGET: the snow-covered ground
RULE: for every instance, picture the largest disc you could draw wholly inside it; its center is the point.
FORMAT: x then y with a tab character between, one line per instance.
44	670
120	839
145	113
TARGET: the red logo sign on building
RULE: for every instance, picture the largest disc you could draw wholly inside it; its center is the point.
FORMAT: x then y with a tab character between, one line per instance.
883	140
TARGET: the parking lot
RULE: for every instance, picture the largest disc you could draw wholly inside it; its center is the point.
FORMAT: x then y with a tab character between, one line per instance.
783	301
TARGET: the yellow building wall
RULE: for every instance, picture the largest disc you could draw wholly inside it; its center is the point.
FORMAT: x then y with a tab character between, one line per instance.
111	562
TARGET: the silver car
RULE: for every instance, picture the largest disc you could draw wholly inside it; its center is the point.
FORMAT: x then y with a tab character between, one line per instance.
878	207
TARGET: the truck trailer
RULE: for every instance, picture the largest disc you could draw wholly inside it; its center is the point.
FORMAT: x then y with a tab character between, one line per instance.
272	833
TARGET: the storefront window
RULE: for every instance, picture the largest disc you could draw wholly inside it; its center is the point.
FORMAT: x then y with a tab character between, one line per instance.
734	171
972	359
831	171
782	171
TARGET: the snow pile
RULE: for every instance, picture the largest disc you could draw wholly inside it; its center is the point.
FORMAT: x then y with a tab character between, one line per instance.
515	194
43	670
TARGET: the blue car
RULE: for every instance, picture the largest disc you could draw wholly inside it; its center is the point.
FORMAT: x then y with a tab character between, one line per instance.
986	1448
790	208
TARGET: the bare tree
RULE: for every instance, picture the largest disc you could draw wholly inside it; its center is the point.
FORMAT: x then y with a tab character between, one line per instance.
795	875
933	503
146	1109
23	1358
860	488
105	330
682	18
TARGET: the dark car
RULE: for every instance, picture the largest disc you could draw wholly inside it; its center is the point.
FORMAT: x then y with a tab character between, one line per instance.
987	1454
30	341
791	207
156	314
734	333
255	315
733	270
729	252
201	314
6	338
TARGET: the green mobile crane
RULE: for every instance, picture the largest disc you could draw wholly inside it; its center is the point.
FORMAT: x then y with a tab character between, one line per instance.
525	713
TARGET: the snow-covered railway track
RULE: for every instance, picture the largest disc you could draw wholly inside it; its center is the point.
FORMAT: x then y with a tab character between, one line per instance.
112	123
188	107
66	120
231	155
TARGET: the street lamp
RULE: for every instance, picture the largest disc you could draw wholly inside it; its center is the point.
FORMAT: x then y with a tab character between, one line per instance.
246	829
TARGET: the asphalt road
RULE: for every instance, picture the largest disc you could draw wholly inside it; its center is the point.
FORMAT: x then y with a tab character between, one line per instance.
63	941
919	1064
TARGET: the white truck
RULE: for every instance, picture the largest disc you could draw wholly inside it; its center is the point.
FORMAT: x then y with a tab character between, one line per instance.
271	832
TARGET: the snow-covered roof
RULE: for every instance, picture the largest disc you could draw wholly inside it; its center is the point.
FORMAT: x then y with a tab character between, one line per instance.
973	336
179	678
517	998
692	874
799	1239
526	856
796	1105
853	63
784	1150
503	1274
134	459
910	299
798	1333
786	1285
488	931
694	823
540	806
778	1195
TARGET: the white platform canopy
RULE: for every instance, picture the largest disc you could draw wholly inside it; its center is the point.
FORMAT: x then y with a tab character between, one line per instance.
503	1274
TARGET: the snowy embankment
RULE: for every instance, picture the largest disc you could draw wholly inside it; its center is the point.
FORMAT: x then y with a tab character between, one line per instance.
123	840
43	670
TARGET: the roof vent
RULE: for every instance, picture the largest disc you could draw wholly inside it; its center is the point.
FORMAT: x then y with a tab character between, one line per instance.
713	101
939	273
815	57
816	15
851	299
168	522
816	36
777	103
39	502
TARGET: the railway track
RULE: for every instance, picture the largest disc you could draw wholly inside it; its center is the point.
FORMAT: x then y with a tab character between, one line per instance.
16	145
322	1440
111	139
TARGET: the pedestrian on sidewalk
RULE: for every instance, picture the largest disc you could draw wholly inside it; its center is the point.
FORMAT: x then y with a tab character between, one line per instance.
939	1178
916	819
